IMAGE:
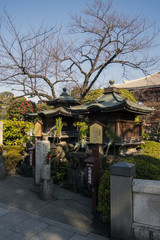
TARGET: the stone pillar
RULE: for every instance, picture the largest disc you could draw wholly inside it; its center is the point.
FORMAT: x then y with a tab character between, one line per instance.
2	167
46	189
42	148
46	183
121	200
1	133
46	171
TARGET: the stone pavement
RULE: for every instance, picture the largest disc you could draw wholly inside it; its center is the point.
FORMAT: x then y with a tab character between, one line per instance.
24	216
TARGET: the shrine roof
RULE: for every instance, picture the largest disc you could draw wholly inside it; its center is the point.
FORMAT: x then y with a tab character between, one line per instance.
64	98
149	81
56	111
111	101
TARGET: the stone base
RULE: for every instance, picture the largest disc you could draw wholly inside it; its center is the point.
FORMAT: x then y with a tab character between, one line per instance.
2	167
146	232
2	171
46	189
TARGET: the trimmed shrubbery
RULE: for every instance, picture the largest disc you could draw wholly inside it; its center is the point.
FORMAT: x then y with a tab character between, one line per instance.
104	194
147	167
12	156
15	132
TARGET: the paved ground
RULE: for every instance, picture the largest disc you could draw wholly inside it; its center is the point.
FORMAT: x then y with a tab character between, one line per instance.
24	216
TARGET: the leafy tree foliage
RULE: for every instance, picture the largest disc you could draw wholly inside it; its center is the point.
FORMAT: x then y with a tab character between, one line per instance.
128	95
92	95
19	107
16	132
42	106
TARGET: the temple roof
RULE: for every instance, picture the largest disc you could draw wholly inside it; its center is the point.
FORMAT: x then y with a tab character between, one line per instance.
63	100
56	111
149	81
111	101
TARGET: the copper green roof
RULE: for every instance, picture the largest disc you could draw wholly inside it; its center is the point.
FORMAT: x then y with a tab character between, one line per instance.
64	99
111	101
55	112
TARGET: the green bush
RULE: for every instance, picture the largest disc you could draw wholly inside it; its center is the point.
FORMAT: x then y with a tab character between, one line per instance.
15	132
151	148
12	156
104	194
147	167
19	107
127	94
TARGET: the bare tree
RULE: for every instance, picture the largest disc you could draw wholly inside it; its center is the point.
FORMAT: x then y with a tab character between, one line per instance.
103	37
39	60
26	60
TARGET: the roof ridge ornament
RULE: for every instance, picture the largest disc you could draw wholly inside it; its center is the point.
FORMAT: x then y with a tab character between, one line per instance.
111	83
64	93
111	88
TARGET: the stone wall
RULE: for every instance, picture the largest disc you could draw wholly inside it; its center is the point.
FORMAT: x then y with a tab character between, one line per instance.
2	167
135	205
146	209
76	171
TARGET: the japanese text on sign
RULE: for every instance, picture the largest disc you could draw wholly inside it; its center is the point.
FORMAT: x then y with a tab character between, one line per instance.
96	133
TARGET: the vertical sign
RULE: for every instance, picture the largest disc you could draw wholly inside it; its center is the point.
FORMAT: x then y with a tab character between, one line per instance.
96	133
1	133
38	129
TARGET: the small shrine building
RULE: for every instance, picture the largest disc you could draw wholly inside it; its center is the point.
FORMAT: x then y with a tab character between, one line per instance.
109	109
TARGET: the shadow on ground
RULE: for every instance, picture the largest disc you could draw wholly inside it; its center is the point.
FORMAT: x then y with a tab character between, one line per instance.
66	206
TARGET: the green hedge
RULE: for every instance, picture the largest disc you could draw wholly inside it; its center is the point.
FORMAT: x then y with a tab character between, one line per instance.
147	167
15	132
104	194
12	156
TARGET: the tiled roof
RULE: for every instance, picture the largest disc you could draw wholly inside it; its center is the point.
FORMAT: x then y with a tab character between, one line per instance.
56	111
112	101
63	98
152	80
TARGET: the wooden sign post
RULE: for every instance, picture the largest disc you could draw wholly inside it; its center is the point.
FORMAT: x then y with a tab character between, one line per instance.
96	137
38	129
96	133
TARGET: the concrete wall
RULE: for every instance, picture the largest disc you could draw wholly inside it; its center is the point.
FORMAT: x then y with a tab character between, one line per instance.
135	205
1	133
121	200
146	209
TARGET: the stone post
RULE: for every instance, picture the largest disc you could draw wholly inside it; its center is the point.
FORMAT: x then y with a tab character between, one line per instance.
1	133
42	148
121	200
2	167
46	183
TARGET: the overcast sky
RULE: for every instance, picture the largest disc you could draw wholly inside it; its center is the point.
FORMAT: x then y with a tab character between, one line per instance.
58	11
